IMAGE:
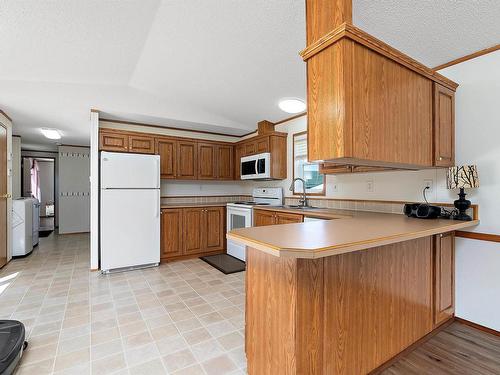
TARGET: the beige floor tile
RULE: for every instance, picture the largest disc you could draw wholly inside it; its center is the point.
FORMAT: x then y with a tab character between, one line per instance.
133	328
38	354
142	354
210	318
72	359
207	350
104	336
136	340
188	325
106	349
154	367
109	365
171	344
196	336
219	365
164	332
74	344
39	368
231	340
191	370
178	360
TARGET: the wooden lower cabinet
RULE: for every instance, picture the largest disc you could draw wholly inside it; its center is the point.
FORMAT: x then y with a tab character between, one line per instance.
192	232
343	314
171	232
444	277
265	217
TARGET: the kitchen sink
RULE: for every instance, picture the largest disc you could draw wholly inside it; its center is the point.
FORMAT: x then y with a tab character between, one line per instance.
297	207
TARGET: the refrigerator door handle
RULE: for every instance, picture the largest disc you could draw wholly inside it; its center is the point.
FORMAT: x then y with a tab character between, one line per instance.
158	205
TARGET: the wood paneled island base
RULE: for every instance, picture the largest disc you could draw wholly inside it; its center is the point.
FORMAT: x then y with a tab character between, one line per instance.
342	314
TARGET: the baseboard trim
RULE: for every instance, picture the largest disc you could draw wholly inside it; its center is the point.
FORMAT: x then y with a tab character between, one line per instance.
411	348
478	326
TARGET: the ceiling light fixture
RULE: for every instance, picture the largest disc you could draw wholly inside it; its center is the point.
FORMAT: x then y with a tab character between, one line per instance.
292	105
51	133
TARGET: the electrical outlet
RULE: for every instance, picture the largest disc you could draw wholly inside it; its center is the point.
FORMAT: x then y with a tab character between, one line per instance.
429	184
335	187
369	186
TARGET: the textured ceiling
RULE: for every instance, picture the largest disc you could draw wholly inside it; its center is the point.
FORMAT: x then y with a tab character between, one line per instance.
200	64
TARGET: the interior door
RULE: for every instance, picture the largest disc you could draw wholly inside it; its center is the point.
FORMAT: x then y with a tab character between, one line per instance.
3	195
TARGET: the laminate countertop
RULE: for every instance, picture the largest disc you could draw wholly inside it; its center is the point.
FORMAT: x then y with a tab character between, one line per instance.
347	231
188	205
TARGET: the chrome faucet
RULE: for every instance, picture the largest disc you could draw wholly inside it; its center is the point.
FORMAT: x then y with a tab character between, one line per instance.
303	201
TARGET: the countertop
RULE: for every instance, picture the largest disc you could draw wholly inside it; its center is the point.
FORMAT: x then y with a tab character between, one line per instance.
347	231
188	205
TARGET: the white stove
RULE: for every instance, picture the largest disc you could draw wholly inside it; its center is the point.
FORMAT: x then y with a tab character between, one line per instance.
240	214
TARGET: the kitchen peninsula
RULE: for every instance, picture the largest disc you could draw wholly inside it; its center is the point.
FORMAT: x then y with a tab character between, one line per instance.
346	295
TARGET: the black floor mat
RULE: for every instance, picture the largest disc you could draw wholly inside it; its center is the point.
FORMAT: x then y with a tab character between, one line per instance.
44	233
225	263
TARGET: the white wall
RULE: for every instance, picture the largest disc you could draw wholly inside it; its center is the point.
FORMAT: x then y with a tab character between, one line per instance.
8	125
74	187
16	167
478	141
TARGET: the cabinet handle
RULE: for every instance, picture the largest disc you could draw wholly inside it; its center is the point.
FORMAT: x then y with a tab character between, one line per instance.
441	235
440	158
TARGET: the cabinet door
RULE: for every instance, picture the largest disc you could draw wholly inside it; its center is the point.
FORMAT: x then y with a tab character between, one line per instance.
167	149
262	218
287	218
207	161
187	160
113	142
262	145
444	277
225	167
214	228
239	152
171	232
141	144
444	126
193	230
250	148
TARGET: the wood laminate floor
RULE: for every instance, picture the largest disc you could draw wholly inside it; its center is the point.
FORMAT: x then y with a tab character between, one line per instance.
458	350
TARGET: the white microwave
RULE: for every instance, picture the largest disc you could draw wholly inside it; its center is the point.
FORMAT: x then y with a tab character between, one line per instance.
256	167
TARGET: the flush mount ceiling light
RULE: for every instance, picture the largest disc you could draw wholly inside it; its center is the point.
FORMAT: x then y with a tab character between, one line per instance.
292	105
51	133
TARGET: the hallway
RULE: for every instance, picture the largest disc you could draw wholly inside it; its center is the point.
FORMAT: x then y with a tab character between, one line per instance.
182	318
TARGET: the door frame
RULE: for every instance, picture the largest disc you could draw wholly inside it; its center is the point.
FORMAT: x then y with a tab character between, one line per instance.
6	199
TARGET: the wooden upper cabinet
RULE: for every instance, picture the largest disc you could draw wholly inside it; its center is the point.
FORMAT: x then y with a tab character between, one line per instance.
444	126
193	230
171	233
187	160
207	161
141	144
262	218
113	141
214	236
225	162
262	145
369	104
239	152
167	149
250	148
444	277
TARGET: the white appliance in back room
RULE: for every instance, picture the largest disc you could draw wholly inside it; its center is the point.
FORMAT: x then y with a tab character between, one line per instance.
22	226
129	211
240	214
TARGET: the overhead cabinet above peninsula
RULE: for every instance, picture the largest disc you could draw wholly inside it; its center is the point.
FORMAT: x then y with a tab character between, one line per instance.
369	104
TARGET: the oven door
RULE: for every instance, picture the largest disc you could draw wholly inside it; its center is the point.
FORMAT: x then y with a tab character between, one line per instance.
238	218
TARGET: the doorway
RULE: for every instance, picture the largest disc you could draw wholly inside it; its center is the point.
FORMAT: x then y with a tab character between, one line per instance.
3	195
39	182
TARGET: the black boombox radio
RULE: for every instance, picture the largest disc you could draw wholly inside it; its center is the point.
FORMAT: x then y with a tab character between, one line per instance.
422	210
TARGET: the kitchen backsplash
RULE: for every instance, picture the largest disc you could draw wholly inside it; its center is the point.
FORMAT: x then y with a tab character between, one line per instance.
204	199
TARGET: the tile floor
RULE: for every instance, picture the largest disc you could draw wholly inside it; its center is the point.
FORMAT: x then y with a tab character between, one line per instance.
179	318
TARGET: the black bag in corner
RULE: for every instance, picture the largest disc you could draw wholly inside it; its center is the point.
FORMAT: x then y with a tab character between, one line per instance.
12	344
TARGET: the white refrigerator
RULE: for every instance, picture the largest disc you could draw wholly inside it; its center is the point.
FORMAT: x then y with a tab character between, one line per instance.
129	211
